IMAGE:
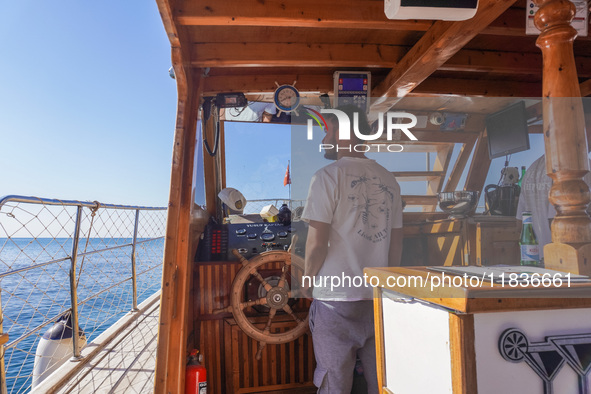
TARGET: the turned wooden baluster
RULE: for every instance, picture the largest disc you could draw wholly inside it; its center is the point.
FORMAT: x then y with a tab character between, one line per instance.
565	139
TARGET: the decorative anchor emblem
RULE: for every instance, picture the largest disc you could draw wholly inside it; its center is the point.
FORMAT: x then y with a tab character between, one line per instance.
547	358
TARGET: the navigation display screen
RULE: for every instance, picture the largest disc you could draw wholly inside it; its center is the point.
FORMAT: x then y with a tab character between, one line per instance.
353	84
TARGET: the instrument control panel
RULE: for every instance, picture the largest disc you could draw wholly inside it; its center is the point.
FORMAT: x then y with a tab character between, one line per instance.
352	87
249	239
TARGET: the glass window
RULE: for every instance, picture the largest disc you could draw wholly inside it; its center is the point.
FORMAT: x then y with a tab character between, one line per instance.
257	155
198	174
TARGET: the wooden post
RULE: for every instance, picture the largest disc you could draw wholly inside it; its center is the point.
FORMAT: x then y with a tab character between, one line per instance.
174	326
565	140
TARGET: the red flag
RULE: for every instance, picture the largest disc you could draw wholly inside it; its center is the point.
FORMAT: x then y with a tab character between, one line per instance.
287	178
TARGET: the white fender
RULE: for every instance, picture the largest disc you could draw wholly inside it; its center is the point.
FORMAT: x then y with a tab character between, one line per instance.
54	349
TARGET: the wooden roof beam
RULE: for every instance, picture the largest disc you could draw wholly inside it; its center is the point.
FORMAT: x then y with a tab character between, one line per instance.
437	46
324	84
346	14
180	55
496	62
302	55
265	83
478	87
363	55
506	63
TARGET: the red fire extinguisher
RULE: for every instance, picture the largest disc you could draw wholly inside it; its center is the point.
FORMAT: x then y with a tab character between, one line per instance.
195	375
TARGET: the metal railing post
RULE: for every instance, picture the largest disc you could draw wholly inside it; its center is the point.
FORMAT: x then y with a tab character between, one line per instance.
133	275
3	389
74	288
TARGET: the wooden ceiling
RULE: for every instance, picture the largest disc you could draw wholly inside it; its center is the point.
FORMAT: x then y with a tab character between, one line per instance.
247	45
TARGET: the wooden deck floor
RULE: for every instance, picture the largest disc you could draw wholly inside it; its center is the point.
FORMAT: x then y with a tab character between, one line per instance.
123	363
125	366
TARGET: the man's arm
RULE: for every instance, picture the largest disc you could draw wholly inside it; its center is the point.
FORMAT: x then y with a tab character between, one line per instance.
316	247
395	252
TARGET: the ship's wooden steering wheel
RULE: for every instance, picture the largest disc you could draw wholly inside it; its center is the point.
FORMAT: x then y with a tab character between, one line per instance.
277	294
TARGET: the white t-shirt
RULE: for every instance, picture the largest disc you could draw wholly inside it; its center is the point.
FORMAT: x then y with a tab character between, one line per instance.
535	189
361	201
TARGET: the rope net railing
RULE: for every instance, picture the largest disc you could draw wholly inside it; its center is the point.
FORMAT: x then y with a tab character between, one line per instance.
37	238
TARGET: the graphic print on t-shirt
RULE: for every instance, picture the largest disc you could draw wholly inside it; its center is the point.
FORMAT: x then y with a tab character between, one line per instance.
371	201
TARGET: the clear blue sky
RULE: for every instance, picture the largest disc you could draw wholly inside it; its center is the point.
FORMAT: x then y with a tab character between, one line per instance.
87	108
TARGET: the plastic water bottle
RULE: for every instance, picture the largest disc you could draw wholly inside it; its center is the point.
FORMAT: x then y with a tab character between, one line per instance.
530	250
522	176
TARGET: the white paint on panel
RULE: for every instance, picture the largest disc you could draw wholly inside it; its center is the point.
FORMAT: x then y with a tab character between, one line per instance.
417	348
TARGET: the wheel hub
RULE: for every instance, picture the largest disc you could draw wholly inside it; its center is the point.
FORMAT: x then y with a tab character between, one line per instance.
277	298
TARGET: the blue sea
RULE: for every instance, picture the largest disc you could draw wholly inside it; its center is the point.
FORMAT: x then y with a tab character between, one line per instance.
32	297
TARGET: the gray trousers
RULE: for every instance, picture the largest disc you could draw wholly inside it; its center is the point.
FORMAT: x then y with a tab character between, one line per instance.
341	332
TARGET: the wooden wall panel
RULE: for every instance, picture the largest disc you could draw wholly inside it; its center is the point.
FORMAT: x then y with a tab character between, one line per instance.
288	366
229	354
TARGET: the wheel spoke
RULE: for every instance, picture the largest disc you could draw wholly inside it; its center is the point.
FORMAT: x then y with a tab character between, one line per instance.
262	346
269	322
256	274
284	271
288	309
260	301
222	310
294	240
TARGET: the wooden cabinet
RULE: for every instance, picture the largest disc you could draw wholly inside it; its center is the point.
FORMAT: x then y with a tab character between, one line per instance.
478	240
479	339
439	242
497	240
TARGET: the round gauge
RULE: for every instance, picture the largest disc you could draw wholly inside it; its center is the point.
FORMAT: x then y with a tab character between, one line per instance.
267	237
286	98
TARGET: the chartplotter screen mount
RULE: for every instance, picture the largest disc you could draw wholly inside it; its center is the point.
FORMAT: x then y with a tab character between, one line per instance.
352	87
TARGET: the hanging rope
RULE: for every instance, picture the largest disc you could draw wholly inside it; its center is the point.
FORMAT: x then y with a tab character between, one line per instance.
92	215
